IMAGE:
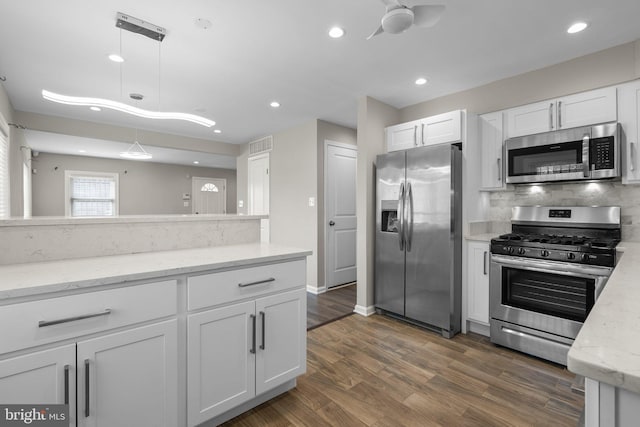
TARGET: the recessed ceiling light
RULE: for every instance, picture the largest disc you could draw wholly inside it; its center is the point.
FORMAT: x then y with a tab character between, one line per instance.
577	27
82	151
217	131
195	162
275	104
95	108
421	81
116	58
336	32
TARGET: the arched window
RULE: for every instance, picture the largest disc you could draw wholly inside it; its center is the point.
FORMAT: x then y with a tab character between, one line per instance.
209	187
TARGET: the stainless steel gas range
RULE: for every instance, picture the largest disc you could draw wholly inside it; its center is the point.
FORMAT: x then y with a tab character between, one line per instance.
546	275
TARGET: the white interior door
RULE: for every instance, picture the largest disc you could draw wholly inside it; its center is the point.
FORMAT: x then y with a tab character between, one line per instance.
258	177
209	195
340	213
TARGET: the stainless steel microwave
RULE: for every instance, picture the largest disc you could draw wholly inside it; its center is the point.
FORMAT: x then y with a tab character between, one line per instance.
590	152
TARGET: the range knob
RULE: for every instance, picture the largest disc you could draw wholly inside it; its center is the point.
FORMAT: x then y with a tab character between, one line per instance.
510	249
544	253
571	255
522	251
585	257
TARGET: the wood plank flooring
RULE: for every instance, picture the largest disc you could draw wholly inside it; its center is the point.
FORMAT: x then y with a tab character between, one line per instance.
376	371
329	306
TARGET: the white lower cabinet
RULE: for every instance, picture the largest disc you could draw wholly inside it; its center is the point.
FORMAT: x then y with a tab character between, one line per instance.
478	282
130	378
43	377
237	352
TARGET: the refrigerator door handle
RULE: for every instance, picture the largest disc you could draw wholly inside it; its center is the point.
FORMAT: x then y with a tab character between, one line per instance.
401	217
408	225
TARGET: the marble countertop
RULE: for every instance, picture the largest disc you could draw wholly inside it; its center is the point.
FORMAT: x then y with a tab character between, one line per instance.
484	237
607	348
63	220
23	280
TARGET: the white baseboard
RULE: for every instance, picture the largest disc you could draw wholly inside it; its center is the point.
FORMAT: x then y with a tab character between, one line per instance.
364	311
316	291
478	328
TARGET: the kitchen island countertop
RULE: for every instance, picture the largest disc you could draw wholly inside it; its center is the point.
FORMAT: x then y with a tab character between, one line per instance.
607	348
32	279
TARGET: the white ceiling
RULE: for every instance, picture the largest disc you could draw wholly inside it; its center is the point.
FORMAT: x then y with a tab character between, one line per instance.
257	51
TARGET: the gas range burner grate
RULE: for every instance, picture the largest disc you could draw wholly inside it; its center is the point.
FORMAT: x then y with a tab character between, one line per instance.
553	239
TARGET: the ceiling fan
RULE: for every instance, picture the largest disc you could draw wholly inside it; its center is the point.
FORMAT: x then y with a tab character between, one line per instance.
399	18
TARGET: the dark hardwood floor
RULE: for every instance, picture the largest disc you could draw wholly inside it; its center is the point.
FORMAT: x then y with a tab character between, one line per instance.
376	371
329	306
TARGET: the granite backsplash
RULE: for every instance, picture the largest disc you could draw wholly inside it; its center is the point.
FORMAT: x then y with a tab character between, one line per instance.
603	193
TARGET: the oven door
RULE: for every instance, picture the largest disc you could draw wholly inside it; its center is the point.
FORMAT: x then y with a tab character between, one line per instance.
553	297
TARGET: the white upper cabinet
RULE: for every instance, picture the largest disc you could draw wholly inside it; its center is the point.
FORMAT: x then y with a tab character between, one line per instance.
439	129
403	136
596	106
491	141
629	118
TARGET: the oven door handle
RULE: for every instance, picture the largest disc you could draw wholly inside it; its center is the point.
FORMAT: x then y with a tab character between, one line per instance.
579	270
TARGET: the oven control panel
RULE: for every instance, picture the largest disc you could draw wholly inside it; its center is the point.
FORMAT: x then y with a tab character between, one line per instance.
601	259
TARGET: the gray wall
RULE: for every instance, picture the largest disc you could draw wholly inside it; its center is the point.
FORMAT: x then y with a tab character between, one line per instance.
145	188
16	139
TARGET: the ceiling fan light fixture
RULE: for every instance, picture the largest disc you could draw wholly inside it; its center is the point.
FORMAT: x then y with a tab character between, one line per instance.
397	20
124	108
136	152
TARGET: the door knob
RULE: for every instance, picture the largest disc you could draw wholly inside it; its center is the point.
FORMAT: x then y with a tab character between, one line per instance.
332	223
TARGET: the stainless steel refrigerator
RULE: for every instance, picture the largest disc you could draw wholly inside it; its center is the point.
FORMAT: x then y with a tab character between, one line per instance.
418	272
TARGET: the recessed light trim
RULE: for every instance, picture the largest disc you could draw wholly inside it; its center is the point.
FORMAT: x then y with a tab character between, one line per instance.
82	151
116	58
577	27
421	81
195	162
124	108
94	108
217	131
274	104
336	32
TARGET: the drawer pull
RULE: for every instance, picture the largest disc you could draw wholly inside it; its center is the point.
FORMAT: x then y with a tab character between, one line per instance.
87	387
259	282
66	384
43	323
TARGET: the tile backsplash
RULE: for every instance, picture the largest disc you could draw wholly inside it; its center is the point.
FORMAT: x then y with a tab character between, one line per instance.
602	193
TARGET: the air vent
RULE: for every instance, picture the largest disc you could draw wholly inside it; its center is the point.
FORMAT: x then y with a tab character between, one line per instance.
261	145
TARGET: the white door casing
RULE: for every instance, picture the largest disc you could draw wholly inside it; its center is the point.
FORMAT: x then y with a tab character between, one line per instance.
209	195
340	210
258	191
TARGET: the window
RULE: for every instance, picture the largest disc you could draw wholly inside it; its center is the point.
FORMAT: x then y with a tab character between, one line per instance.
209	187
91	193
4	169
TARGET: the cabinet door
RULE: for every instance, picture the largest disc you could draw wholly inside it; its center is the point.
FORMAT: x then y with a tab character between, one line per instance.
221	364
130	378
478	283
282	344
530	119
403	136
45	377
442	128
490	129
629	118
587	108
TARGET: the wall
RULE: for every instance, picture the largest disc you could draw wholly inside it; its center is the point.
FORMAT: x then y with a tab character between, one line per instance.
16	140
373	117
293	179
145	188
336	133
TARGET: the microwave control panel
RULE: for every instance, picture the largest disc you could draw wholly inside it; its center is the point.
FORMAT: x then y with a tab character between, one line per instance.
601	153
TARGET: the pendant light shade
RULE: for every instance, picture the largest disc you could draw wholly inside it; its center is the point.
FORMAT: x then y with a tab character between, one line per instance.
136	152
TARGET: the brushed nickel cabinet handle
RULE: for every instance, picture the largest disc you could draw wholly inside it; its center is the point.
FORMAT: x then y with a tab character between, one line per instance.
559	114
632	156
551	115
86	389
66	384
499	168
259	282
263	316
44	323
252	350
484	263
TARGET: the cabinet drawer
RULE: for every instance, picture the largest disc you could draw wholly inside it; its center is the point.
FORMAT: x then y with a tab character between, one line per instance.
40	322
219	288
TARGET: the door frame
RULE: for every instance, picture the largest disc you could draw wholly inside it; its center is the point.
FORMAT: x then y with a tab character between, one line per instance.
194	189
325	216
249	189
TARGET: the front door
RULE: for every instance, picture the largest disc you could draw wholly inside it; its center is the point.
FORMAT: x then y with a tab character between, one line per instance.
340	214
209	195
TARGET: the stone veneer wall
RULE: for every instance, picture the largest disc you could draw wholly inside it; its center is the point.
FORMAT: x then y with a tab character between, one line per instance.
601	193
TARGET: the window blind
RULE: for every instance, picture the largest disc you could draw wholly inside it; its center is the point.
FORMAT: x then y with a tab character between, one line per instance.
93	195
4	176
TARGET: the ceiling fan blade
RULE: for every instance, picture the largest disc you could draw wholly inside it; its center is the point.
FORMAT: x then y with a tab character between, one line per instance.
427	15
391	4
376	32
